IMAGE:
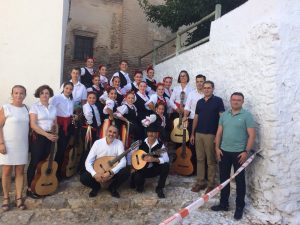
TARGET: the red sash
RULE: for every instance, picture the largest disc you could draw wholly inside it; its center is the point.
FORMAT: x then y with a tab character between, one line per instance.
64	122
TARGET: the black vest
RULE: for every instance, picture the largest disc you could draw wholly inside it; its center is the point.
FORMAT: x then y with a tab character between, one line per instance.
145	147
119	99
151	84
133	88
131	116
141	108
122	79
87	79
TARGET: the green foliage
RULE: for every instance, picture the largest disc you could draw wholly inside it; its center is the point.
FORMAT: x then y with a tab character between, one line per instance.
176	13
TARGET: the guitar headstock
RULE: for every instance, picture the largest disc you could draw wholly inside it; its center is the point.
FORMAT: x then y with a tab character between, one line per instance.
135	144
182	96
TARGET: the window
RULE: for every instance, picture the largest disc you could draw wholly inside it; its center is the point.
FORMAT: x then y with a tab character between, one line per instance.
83	47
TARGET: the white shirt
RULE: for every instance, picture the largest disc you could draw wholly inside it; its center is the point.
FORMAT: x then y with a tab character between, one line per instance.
103	80
64	106
88	113
168	92
45	116
154	99
109	104
82	70
79	92
99	149
175	97
123	109
116	74
191	102
163	157
145	98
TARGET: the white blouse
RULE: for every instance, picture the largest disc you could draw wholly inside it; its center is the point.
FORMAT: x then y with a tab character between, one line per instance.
123	109
175	97
109	104
64	106
88	113
45	115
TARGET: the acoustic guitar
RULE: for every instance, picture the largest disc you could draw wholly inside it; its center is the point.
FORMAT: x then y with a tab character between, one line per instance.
137	157
183	164
106	163
178	131
69	166
45	181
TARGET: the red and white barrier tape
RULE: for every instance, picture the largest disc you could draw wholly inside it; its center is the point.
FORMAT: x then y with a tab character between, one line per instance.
177	217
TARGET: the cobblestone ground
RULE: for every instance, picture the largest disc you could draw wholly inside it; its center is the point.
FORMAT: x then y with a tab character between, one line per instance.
71	205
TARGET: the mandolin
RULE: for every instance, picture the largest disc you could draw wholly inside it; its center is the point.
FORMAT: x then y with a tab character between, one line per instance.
106	163
45	181
178	131
183	164
137	157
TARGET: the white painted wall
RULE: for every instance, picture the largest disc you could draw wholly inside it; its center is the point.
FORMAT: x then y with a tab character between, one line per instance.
255	49
31	45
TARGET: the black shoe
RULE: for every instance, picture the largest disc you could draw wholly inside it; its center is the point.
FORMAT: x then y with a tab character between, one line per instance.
140	189
220	208
114	193
93	193
32	195
238	214
160	192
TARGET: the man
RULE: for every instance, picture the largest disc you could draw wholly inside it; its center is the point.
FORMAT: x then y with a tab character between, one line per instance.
79	92
158	166
208	111
107	146
234	139
189	111
124	76
87	73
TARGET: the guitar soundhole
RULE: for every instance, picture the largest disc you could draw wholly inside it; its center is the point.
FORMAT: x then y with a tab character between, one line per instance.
48	171
137	160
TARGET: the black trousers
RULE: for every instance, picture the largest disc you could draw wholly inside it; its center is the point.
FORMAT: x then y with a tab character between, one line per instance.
231	159
87	180
40	149
161	170
62	144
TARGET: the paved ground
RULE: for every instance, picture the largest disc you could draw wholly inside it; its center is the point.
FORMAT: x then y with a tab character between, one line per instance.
71	205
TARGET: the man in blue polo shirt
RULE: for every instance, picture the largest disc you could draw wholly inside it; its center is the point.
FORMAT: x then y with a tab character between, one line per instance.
207	114
234	139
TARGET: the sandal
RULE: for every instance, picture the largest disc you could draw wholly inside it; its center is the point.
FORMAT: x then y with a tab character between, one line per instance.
5	206
20	203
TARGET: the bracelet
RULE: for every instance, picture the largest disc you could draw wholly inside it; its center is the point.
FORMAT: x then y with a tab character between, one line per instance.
246	151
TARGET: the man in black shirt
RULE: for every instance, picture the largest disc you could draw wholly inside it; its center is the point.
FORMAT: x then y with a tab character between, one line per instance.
205	124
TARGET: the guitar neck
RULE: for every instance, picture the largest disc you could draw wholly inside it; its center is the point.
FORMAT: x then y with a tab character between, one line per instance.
119	157
184	140
50	161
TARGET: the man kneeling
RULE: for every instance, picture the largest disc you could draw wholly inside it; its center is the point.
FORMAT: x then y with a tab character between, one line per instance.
107	146
157	166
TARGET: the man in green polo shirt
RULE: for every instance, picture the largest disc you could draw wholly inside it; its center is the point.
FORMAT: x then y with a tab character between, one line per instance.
234	139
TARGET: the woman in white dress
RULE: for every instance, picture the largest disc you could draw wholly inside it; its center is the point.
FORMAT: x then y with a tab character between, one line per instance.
14	126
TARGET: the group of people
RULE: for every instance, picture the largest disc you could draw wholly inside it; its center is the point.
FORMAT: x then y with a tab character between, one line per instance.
114	113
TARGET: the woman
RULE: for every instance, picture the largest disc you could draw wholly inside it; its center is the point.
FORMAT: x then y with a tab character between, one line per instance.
92	119
134	86
183	89
168	83
98	91
140	104
120	92
43	123
103	79
128	113
14	127
64	106
87	72
151	82
157	98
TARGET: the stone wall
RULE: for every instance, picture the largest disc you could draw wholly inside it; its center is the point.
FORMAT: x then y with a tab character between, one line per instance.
31	43
255	49
120	30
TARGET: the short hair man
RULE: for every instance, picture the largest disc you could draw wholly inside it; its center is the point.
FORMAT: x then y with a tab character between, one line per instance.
107	146
234	139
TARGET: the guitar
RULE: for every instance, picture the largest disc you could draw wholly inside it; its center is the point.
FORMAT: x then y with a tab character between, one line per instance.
178	131
45	181
106	163
183	164
72	153
137	158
